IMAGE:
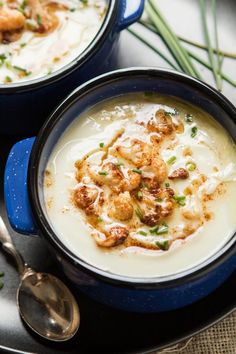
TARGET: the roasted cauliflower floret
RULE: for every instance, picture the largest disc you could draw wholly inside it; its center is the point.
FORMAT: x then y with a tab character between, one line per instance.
151	184
137	153
132	182
122	208
158	166
161	123
109	175
11	19
84	196
165	195
114	237
150	215
180	173
156	205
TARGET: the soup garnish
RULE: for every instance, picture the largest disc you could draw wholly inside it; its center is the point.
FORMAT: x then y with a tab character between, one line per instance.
143	176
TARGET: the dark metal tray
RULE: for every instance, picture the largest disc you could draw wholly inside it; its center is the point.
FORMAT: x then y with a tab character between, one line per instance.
104	329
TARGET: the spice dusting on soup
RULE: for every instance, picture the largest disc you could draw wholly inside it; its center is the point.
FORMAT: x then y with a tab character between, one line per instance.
144	176
38	37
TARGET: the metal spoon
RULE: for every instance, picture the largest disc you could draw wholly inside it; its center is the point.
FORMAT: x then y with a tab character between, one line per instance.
44	302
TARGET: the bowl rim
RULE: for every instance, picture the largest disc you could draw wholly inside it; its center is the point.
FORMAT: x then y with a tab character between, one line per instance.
193	273
104	31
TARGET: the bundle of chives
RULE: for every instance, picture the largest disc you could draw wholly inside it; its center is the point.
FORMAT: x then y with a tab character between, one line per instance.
214	61
144	40
171	40
191	42
159	25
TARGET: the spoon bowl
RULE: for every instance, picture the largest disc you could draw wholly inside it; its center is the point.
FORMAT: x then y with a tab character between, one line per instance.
45	303
47	306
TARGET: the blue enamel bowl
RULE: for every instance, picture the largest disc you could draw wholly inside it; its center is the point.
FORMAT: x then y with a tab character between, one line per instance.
25	106
27	213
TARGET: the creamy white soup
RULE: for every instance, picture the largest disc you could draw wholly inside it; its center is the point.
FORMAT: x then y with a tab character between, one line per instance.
38	37
143	186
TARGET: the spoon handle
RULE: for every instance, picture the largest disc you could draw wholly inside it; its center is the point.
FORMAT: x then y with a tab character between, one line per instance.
8	246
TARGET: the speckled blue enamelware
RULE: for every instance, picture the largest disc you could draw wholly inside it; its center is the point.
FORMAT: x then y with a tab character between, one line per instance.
25	202
25	106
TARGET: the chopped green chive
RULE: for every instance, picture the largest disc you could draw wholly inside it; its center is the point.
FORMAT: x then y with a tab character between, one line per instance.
193	132
39	20
167	185
139	195
139	213
101	145
163	245
136	170
118	164
22	6
8	79
143	233
31	24
100	219
20	69
103	173
172	113
72	10
3	57
159	230
191	166
171	160
162	230
144	185
26	72
154	229
1	285
22	45
159	200
85	2
189	118
180	199
8	65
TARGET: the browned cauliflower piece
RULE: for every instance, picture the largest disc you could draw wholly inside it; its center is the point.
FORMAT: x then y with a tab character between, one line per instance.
138	153
122	208
159	167
114	237
180	173
151	215
84	196
161	123
132	182
11	19
156	205
109	175
168	203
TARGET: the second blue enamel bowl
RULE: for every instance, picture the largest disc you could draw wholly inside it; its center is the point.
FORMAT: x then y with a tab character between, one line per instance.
24	106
